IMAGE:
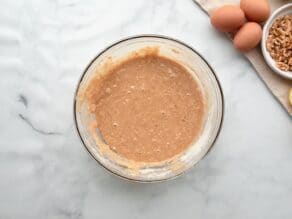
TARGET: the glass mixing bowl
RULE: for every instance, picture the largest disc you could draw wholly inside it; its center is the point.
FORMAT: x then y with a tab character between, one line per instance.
198	68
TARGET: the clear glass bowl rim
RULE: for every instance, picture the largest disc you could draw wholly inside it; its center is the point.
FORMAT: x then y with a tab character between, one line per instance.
131	38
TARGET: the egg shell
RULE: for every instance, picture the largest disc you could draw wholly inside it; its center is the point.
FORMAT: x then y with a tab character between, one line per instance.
256	10
227	18
248	36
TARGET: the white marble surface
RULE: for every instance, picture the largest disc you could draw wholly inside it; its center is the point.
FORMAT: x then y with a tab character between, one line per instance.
46	173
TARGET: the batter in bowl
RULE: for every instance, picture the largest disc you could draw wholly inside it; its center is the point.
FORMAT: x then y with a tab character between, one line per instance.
148	108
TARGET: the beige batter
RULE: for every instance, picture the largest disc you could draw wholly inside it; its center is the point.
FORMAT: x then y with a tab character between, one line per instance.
148	109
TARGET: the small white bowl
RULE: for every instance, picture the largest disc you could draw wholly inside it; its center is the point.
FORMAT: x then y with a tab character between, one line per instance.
284	10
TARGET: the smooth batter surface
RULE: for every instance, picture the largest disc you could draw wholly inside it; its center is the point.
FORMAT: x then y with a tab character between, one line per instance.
148	109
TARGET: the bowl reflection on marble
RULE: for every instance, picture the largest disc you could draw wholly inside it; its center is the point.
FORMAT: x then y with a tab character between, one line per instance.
197	67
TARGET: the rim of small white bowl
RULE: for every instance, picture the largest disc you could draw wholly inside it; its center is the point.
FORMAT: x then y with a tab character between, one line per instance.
269	60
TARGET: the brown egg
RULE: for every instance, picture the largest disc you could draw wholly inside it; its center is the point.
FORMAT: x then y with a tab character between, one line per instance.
248	36
227	18
256	10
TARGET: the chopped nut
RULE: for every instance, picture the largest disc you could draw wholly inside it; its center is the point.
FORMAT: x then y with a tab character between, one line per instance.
92	108
282	66
107	90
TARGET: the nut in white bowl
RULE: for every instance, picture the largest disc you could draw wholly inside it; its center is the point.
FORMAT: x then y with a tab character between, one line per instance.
284	10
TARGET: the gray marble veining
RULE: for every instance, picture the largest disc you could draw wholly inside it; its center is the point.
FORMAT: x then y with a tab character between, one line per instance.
45	171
